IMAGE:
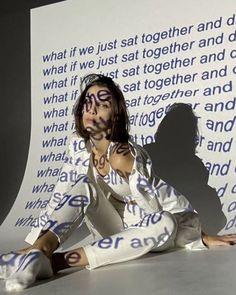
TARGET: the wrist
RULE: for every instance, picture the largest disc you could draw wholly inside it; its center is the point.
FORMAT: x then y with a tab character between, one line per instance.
205	239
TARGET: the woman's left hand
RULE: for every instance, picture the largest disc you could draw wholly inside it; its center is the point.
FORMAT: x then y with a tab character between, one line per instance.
224	240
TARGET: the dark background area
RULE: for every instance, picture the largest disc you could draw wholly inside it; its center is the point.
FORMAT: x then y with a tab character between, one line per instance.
15	95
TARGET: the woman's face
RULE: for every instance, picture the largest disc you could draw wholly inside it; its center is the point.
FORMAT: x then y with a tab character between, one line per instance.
97	109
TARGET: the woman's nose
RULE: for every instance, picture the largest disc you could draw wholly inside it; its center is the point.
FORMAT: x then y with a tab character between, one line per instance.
93	109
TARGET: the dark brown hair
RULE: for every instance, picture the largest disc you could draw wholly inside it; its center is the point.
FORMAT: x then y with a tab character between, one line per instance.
120	119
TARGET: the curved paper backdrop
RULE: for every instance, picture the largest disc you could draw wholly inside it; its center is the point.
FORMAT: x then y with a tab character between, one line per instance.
159	52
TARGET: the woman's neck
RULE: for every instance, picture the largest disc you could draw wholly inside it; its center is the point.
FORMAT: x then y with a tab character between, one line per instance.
100	146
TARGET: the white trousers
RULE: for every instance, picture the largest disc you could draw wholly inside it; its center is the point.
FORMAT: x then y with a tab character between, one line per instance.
126	232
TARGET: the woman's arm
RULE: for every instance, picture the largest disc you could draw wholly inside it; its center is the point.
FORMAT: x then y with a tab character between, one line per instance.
65	181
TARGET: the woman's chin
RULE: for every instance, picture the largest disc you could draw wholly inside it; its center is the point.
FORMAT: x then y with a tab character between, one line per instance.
97	134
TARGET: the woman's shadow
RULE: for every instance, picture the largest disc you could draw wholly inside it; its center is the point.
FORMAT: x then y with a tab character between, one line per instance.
175	161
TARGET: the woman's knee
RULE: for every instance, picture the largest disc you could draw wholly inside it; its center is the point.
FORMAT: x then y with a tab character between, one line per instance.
161	224
160	230
73	201
80	195
164	217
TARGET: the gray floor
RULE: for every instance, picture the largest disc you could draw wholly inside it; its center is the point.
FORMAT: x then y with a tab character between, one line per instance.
181	272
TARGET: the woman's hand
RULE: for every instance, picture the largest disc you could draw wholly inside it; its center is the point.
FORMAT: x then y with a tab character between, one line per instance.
224	240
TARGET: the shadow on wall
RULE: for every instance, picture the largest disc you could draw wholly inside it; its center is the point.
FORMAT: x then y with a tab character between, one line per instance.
174	160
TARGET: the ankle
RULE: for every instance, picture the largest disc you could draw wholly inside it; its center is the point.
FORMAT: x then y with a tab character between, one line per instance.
47	243
59	262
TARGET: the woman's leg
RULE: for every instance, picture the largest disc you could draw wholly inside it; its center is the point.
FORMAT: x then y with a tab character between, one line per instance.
68	214
155	231
81	200
73	258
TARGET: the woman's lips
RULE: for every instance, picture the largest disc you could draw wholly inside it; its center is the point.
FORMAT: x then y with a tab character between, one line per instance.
90	120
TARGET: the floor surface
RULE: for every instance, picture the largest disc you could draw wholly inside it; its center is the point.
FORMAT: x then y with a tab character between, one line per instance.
181	272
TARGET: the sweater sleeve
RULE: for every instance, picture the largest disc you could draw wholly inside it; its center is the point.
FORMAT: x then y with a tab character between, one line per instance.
151	192
66	180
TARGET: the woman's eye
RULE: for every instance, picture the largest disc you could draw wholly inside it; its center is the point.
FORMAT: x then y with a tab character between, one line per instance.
104	106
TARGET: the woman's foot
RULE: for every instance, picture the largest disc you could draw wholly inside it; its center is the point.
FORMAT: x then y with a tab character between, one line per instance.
9	263
34	265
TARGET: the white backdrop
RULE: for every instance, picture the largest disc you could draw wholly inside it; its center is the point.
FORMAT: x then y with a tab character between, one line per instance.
159	52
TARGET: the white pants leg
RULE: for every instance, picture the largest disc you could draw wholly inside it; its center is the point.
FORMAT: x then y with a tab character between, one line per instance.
128	232
83	201
152	232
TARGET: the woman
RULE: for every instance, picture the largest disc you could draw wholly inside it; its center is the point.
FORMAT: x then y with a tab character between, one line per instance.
127	208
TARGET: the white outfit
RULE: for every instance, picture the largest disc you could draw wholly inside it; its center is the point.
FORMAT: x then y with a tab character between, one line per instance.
160	219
